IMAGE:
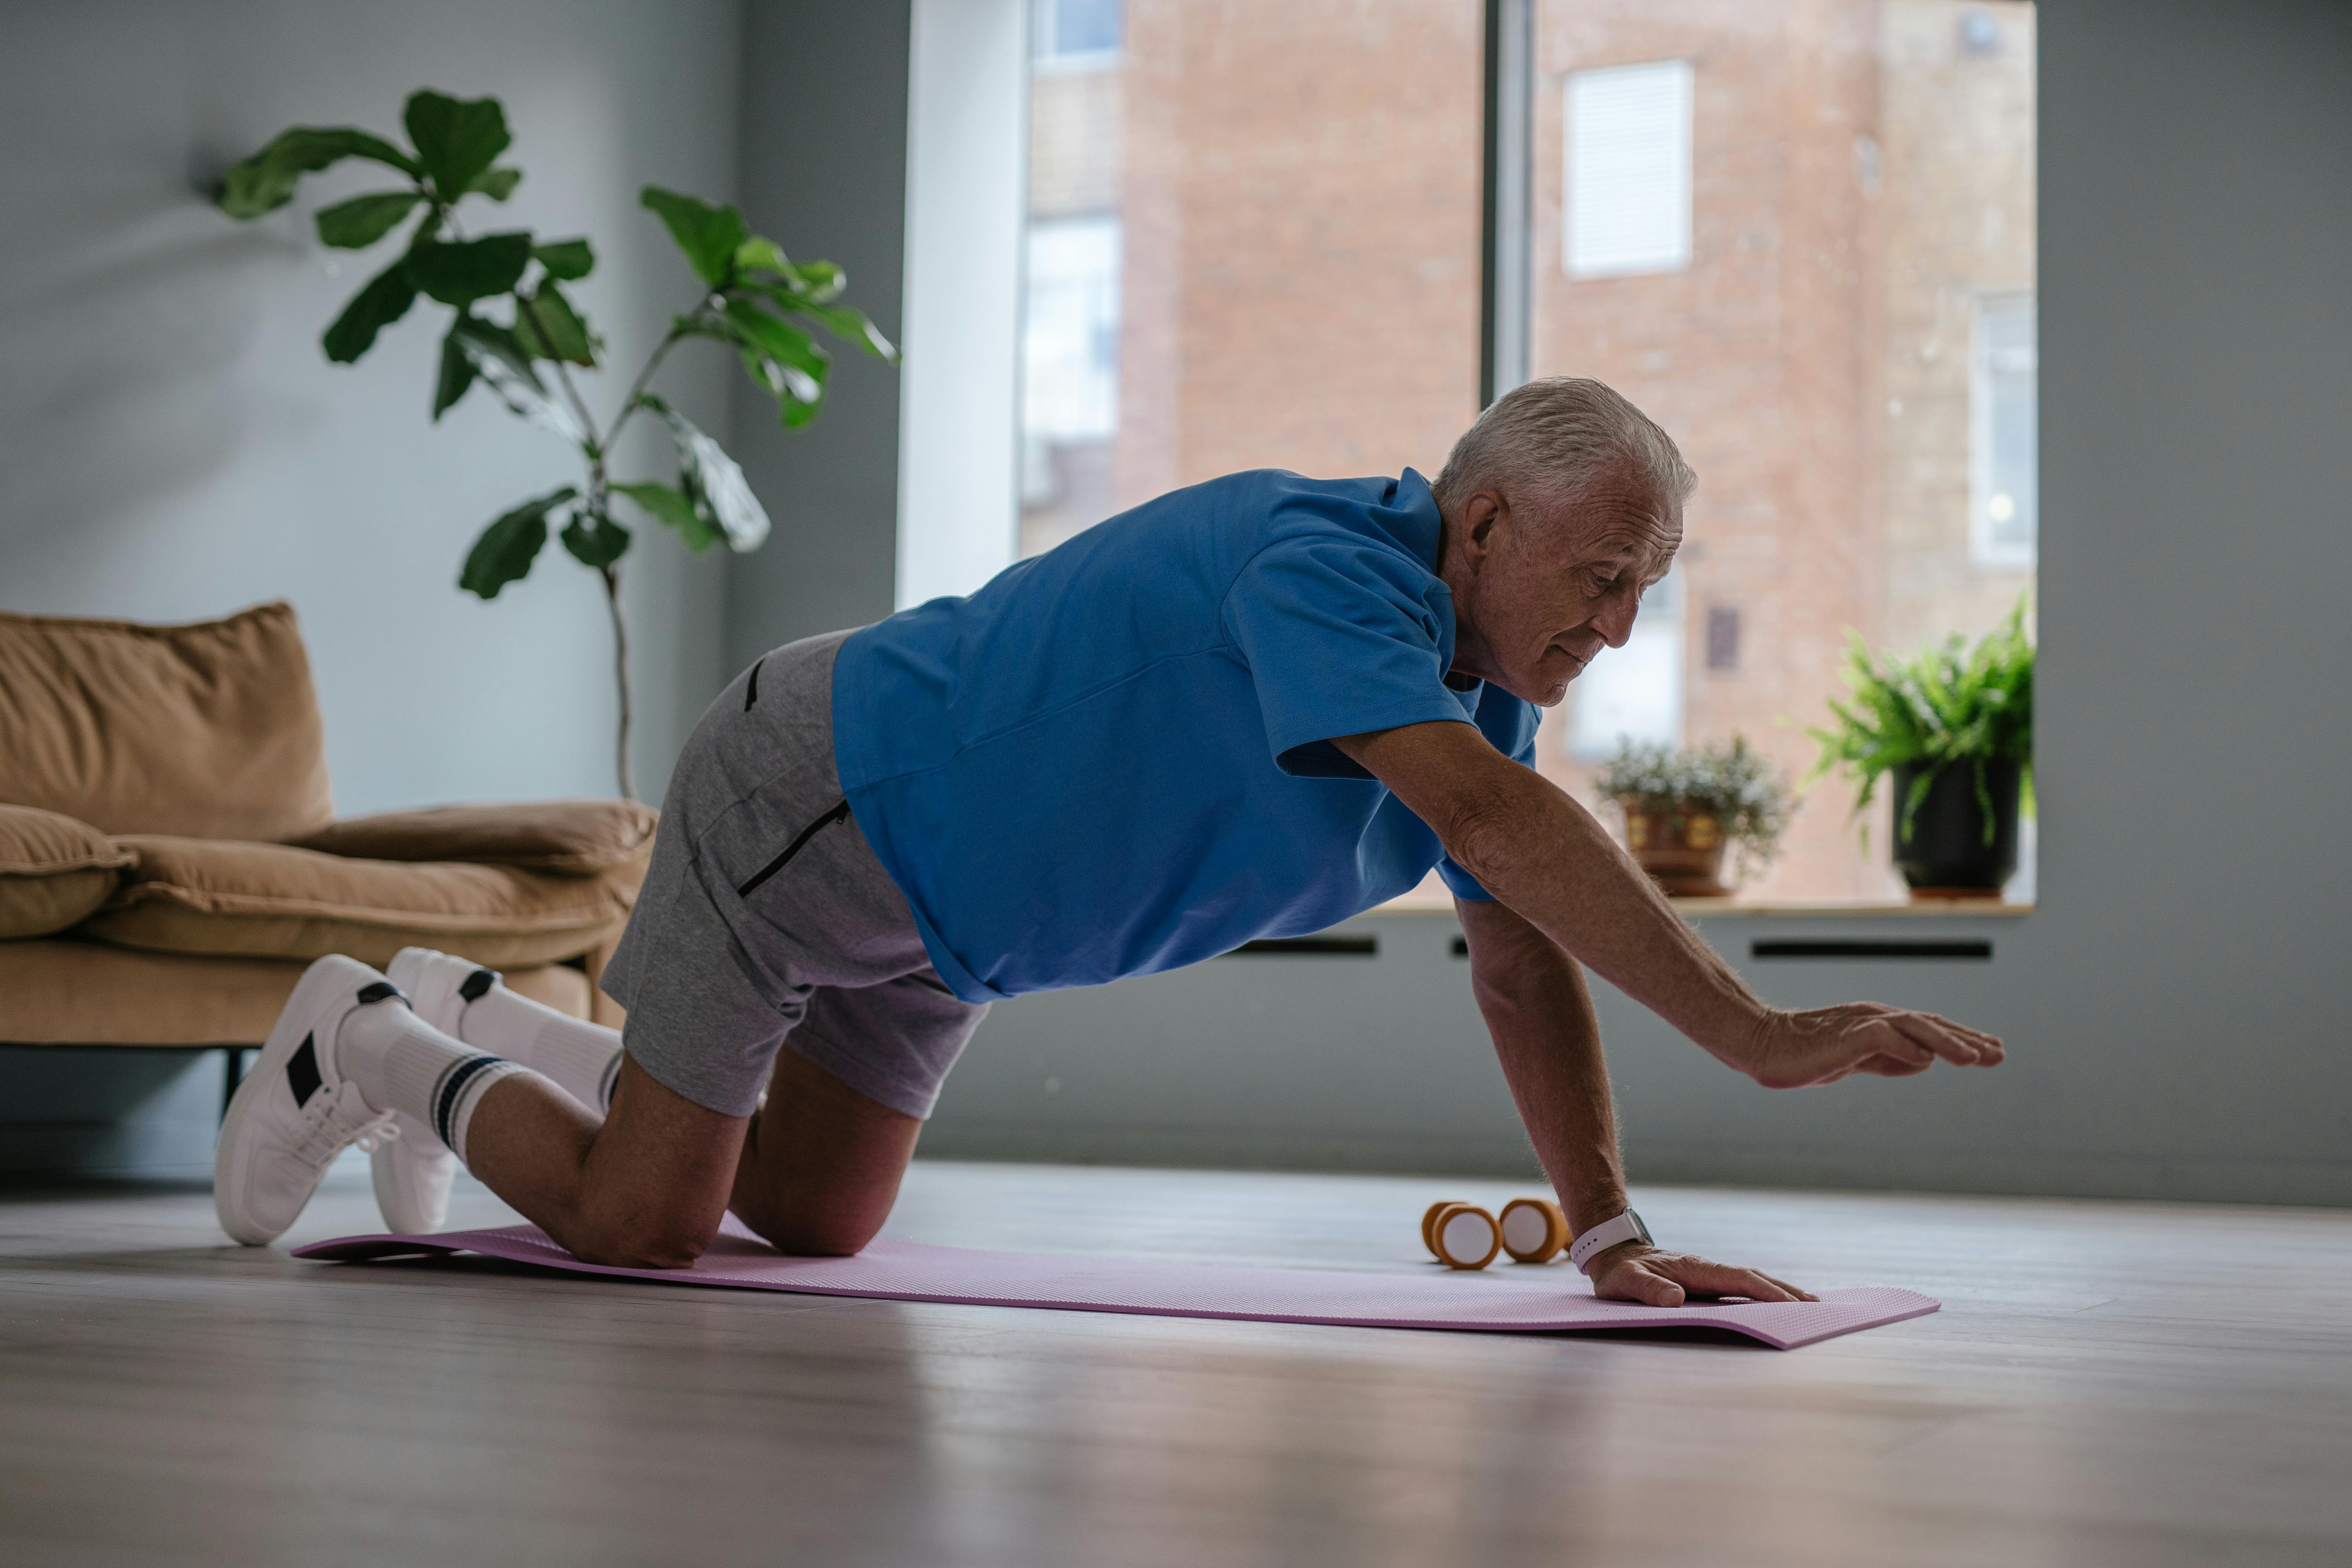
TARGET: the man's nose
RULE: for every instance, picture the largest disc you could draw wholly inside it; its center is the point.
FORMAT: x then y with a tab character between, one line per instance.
1616	621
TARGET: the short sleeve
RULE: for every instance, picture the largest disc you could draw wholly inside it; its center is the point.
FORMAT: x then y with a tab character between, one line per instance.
1510	723
1341	637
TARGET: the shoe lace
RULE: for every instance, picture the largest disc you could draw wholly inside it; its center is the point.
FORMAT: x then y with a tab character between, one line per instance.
332	1128
376	1134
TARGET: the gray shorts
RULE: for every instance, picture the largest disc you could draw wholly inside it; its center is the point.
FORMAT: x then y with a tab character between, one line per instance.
766	920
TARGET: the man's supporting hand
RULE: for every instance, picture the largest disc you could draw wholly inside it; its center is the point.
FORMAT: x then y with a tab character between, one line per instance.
1636	1271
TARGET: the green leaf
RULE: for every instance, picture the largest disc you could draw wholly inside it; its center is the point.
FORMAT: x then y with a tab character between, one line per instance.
460	273
496	184
484	339
798	365
501	360
356	224
457	375
595	539
506	548
708	236
384	299
550	327
757	255
821	280
851	326
712	482
265	181
671	506
457	140
569	259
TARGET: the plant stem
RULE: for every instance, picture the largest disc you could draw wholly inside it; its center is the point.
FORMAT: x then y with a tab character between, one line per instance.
637	388
611	575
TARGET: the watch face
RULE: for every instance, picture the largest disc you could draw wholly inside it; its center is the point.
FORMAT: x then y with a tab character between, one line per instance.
1639	1230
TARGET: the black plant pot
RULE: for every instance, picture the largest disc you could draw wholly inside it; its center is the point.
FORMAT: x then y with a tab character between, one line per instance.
1946	853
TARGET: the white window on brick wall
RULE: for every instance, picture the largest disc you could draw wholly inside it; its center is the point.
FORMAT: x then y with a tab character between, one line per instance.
2005	491
1070	360
1069	347
1076	34
1627	208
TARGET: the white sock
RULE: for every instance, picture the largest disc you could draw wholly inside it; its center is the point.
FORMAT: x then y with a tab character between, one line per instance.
401	1063
583	1058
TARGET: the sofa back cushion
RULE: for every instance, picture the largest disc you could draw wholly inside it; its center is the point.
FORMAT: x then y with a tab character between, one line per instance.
209	731
54	871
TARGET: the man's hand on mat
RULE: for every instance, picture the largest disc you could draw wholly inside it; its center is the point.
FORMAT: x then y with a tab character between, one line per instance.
1795	1050
1636	1271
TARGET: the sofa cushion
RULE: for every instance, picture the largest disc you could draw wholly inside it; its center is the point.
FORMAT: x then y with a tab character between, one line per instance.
575	838
65	991
209	731
211	896
54	871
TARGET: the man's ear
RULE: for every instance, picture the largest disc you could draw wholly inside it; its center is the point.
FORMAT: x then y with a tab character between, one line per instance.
1480	513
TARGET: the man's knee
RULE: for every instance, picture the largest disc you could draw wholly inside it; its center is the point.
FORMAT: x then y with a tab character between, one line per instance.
804	1229
647	1241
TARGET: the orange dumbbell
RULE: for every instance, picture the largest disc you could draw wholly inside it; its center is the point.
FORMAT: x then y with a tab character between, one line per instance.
1464	1236
1461	1235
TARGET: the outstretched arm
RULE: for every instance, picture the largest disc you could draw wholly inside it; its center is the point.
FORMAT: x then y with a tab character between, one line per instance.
1537	1007
1544	856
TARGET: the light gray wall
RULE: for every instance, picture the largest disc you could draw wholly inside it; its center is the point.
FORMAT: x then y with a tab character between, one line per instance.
824	167
2175	1006
174	445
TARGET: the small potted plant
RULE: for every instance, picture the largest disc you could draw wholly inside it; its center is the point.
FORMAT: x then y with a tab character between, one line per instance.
1685	806
1952	728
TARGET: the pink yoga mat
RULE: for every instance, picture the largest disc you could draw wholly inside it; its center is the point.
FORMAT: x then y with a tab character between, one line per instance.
1517	1299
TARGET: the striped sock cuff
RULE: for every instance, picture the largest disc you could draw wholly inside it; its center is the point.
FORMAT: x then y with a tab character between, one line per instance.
458	1089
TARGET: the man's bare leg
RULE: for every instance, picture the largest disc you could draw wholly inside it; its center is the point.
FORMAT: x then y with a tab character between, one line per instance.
821	1163
815	1172
644	1189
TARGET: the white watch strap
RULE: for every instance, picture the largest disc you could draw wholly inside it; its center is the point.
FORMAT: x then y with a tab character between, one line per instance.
1626	1226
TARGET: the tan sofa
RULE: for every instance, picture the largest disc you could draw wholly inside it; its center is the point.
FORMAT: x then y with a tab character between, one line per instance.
170	857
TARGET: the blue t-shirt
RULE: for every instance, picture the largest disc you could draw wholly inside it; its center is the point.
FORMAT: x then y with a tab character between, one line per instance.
1115	759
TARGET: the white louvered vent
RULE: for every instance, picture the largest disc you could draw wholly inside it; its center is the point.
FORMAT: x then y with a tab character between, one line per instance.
1628	204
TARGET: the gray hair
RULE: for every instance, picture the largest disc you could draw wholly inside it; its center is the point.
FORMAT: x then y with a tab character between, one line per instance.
1550	439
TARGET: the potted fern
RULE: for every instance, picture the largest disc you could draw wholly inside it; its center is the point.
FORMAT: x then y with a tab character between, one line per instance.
1951	728
1684	807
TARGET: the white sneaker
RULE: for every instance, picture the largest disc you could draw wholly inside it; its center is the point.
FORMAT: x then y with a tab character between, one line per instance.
294	1112
414	1170
438	985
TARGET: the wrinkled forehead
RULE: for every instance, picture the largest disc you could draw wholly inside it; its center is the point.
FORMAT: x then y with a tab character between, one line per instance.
1616	526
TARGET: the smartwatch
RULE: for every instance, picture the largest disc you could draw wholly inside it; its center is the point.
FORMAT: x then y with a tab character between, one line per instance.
1626	1226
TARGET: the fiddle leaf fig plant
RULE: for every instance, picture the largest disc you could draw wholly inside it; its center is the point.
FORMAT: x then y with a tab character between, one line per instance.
517	330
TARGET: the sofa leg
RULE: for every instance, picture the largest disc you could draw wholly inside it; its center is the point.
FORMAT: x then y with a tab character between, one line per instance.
232	1074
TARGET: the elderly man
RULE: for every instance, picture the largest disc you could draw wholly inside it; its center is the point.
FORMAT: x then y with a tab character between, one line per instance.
1251	707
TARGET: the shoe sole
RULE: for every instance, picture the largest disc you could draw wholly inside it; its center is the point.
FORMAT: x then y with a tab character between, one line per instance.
319	985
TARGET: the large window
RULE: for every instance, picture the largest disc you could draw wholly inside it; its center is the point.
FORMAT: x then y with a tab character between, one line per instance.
1801	237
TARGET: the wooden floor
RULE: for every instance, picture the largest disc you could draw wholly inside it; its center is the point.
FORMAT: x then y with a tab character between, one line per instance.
2107	1385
